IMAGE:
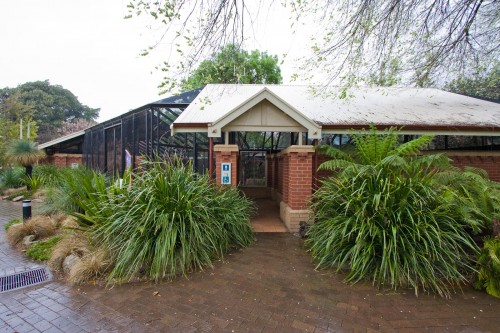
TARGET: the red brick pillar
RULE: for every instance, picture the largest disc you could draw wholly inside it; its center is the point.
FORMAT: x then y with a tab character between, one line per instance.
226	154
297	185
285	171
280	174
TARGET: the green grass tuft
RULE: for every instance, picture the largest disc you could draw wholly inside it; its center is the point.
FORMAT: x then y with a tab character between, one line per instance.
42	250
12	222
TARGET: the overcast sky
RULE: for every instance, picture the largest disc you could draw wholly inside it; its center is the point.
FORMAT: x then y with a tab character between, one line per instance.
87	47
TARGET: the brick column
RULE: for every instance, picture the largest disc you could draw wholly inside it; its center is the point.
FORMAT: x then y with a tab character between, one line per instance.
226	154
297	185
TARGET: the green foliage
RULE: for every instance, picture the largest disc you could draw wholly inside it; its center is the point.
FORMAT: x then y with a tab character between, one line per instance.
51	105
234	65
489	267
50	175
479	197
12	222
81	192
484	84
371	148
12	177
171	221
383	216
42	250
33	183
13	113
387	75
24	152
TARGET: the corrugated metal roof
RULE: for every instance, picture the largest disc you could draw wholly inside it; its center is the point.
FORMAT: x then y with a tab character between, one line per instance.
364	106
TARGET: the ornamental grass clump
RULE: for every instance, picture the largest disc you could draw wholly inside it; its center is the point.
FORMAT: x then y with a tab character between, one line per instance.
382	217
172	221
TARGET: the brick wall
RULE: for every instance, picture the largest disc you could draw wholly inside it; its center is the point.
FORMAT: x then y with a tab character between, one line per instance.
489	161
64	160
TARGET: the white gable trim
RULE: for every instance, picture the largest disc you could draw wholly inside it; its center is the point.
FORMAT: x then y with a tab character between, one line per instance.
215	128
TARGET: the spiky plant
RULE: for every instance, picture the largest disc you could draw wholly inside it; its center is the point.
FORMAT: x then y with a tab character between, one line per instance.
170	222
25	153
383	217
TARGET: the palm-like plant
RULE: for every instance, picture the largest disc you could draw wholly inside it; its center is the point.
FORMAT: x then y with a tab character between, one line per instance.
25	153
383	216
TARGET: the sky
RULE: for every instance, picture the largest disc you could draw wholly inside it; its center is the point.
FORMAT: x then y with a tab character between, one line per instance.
88	47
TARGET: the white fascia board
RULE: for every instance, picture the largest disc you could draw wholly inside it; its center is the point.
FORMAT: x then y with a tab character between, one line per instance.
417	132
175	130
230	128
61	139
215	128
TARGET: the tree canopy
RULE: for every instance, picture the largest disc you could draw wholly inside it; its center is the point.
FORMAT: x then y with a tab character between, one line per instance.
234	65
483	84
49	106
431	39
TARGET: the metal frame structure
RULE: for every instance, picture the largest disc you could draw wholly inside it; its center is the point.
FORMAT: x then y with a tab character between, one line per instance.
145	133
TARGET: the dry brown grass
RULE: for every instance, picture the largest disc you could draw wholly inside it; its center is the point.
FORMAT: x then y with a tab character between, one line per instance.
92	266
76	243
41	226
65	221
40	194
10	191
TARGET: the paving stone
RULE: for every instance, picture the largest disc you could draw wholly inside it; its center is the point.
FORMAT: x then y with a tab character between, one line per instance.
269	287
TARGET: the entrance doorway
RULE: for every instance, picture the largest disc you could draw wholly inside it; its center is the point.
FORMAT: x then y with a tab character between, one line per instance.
252	169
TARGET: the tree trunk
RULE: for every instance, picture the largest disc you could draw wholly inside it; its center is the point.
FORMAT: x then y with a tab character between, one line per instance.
28	173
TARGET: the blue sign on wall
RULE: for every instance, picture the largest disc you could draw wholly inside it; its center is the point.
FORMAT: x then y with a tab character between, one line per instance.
225	173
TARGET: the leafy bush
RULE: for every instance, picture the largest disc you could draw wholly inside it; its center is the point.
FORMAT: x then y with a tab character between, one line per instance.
170	222
382	216
42	250
489	267
12	177
480	197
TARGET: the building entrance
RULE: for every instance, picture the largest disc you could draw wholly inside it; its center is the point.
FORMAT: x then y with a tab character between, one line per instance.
252	169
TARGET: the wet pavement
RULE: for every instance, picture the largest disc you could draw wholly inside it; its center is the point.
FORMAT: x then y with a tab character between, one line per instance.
269	287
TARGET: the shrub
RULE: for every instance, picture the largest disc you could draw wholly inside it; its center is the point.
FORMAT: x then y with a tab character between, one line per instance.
383	217
12	177
489	267
49	175
42	250
81	193
171	221
33	183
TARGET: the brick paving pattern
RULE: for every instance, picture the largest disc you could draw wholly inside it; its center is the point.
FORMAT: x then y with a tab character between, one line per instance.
269	287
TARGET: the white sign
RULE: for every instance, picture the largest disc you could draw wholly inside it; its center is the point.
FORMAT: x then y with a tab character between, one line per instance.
225	176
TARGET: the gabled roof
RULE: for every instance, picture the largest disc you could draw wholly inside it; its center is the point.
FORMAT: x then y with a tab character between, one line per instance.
411	108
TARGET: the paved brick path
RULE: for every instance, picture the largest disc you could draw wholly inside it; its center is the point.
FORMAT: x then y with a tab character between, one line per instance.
269	287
